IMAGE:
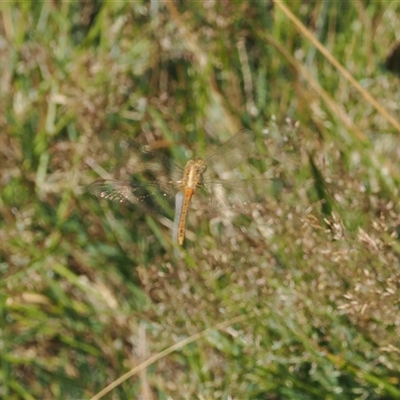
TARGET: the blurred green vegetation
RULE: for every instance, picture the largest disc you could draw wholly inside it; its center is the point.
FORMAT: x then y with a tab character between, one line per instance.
89	290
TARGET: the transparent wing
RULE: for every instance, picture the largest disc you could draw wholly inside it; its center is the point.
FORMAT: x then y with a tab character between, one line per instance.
151	195
223	196
231	153
178	212
136	158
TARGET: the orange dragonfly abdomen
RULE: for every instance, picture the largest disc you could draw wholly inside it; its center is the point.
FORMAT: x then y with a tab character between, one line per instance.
187	196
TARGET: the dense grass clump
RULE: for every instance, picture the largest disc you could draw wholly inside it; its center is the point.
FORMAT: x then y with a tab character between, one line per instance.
295	298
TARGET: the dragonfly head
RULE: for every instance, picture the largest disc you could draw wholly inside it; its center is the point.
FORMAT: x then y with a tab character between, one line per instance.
198	165
193	174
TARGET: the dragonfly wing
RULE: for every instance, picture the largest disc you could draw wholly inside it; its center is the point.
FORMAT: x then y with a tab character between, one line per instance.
136	158
223	196
151	195
177	218
231	153
113	190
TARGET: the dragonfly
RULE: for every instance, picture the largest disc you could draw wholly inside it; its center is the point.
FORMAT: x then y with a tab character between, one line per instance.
212	176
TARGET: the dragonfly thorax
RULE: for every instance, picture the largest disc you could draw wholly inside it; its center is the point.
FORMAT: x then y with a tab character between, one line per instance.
193	173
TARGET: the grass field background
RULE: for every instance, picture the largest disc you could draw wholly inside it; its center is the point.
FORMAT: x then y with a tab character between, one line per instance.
298	298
